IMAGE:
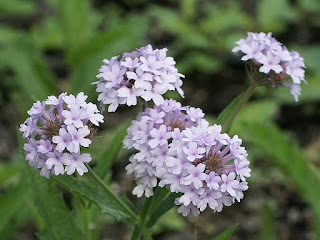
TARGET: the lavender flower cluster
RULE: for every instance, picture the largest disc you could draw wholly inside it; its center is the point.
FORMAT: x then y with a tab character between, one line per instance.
150	135
208	167
274	60
56	130
175	145
144	73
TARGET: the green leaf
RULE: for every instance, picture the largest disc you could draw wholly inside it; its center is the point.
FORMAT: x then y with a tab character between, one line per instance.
268	221
162	202
274	15
87	61
255	112
220	20
11	201
17	8
228	110
286	154
226	234
7	172
187	32
31	72
111	152
74	17
95	194
59	221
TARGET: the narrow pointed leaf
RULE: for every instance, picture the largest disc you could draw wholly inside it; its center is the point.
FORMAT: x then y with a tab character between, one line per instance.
226	234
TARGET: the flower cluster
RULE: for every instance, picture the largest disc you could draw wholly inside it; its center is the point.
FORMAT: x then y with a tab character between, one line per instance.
209	169
56	130
274	60
151	135
175	145
144	73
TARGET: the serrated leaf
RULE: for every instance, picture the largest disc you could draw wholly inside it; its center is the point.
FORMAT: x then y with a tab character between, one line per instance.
59	221
111	152
226	234
94	193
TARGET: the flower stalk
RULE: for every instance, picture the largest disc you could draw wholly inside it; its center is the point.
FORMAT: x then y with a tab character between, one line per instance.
246	96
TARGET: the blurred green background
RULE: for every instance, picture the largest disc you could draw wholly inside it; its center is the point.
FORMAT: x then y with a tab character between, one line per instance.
51	46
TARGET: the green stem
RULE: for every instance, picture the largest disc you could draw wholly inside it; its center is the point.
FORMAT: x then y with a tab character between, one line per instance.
84	212
240	104
140	226
124	207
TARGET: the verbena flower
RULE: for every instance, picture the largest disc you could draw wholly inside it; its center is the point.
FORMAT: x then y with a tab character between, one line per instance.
273	59
209	169
151	134
56	131
147	73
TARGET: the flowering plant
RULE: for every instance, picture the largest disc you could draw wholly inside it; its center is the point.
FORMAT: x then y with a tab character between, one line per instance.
178	158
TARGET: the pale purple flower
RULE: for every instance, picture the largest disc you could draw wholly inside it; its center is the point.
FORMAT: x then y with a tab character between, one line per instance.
151	64
130	94
144	73
93	114
193	151
63	140
44	146
195	113
76	162
229	183
78	101
270	62
56	128
74	116
78	137
196	176
28	128
55	162
37	108
130	63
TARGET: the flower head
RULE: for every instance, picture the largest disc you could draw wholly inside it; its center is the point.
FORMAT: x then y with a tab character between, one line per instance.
147	73
208	173
55	132
268	56
151	135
